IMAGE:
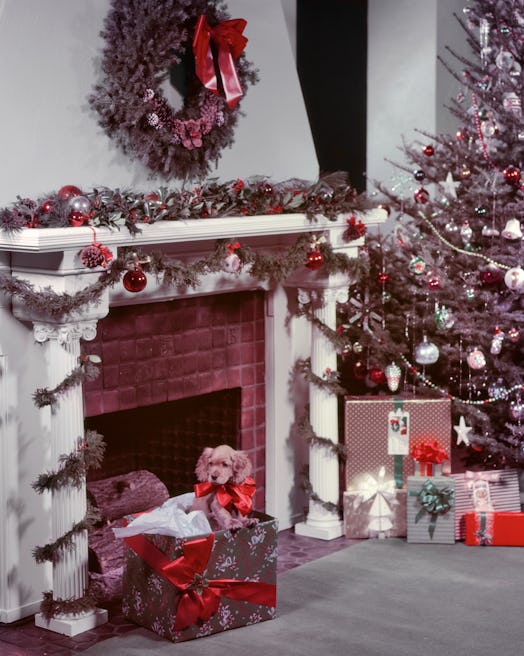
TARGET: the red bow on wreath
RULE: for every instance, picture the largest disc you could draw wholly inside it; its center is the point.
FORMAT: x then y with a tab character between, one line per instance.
230	43
199	596
240	496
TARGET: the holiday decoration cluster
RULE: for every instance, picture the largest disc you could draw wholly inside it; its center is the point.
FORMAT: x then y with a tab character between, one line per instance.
201	49
443	306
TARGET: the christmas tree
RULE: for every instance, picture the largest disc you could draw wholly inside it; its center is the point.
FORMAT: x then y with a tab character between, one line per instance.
441	311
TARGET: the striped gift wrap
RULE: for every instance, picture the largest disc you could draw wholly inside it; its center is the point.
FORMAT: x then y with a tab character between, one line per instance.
504	494
430	510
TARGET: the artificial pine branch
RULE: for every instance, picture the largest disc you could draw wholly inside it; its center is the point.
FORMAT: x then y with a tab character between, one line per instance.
53	551
84	372
51	607
329	383
305	430
73	467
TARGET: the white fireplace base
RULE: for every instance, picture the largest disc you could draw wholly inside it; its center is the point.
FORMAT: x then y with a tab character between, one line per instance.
72	626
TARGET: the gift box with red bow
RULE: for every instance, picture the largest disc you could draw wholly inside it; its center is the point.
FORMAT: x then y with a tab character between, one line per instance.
496	490
380	431
186	588
494	529
429	457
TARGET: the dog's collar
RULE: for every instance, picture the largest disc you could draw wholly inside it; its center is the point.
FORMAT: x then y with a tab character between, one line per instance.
230	495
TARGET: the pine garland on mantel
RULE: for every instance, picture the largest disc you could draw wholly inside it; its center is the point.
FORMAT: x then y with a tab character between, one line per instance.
330	196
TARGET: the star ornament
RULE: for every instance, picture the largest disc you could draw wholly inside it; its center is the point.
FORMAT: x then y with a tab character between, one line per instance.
462	432
450	185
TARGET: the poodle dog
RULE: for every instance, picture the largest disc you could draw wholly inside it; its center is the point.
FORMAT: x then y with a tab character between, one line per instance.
225	487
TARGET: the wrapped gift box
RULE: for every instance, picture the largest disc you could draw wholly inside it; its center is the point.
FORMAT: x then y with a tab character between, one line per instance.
186	588
502	485
494	529
430	509
367	424
375	508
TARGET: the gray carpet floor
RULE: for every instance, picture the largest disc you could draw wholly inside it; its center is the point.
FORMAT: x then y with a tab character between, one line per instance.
377	598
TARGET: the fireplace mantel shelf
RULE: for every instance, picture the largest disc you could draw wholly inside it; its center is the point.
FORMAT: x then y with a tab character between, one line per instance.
46	240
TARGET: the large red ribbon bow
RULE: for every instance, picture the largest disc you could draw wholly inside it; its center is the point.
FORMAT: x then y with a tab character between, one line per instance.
230	43
200	597
430	451
240	496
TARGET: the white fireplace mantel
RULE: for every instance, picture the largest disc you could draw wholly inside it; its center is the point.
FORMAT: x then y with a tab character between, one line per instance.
50	258
45	240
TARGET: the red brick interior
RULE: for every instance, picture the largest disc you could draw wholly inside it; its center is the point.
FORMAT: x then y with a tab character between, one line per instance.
163	362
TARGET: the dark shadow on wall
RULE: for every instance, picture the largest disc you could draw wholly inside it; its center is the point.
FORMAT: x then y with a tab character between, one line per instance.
332	67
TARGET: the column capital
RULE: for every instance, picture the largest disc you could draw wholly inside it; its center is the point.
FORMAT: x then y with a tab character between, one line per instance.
64	333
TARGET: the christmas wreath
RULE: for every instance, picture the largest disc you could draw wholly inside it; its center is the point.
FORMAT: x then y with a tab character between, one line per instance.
197	46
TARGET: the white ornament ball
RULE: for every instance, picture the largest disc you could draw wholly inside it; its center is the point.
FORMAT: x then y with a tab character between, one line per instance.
232	263
426	352
80	204
514	279
476	359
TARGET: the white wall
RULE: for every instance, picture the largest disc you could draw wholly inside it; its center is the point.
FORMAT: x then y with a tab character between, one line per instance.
49	58
407	87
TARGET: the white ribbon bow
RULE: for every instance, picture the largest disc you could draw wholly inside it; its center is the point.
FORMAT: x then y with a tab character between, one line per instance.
383	493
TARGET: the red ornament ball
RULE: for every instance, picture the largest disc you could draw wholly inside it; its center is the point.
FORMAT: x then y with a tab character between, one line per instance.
377	376
421	195
491	275
433	282
315	259
512	175
359	370
428	151
69	191
383	277
46	206
77	219
134	280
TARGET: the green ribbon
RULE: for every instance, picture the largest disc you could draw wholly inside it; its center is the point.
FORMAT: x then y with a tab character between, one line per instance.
484	537
398	460
434	502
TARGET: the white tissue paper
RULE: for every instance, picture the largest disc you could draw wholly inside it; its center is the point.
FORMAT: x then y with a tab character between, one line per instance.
171	518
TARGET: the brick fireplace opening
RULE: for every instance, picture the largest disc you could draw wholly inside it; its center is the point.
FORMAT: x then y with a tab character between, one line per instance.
178	376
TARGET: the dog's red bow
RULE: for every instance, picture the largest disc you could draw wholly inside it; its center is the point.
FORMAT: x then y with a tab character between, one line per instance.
228	494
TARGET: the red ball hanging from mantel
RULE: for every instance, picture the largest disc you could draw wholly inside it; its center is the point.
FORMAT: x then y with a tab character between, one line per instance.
135	280
315	259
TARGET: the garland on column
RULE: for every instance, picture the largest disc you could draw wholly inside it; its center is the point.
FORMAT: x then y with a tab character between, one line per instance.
86	371
73	467
70	473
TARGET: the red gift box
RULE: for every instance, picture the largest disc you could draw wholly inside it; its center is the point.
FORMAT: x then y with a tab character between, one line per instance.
500	486
494	529
186	588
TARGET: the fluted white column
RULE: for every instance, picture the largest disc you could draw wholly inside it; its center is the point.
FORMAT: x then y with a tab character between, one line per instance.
69	505
323	522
